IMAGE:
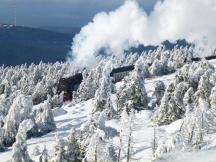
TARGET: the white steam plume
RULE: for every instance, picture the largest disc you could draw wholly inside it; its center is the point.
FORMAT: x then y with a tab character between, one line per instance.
129	25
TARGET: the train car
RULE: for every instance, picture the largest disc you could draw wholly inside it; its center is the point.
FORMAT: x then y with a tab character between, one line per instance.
119	73
69	85
213	57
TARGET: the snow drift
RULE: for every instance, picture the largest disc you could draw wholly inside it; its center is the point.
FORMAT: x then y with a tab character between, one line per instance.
130	25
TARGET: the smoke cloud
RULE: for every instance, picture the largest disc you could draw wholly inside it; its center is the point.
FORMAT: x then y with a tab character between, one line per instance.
130	25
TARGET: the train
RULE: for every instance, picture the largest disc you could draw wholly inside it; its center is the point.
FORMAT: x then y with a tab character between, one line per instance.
70	84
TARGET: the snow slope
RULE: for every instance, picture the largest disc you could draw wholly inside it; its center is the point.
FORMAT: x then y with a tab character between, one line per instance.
76	115
73	116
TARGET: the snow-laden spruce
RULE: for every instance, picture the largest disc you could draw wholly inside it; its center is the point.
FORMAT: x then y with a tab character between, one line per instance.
19	111
159	91
23	86
133	89
20	152
196	103
67	150
103	94
43	117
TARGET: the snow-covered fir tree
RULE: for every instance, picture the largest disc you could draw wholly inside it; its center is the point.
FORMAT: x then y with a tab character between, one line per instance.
213	98
90	83
36	150
103	94
67	150
72	150
2	148
18	112
44	157
198	120
95	121
4	106
162	116
189	101
159	91
59	154
126	133
100	148
171	107
133	89
20	152
43	117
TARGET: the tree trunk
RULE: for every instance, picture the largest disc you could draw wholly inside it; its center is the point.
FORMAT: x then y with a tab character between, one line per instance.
95	153
129	147
154	141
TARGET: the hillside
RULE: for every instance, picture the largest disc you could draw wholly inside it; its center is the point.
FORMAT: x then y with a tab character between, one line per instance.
19	45
61	29
163	110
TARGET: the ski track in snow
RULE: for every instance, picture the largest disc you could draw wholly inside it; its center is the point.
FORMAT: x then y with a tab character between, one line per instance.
142	137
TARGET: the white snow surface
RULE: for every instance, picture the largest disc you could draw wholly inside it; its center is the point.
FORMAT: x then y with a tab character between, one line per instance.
76	115
73	116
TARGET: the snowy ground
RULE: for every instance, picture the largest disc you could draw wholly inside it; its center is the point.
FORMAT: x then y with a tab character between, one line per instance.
73	116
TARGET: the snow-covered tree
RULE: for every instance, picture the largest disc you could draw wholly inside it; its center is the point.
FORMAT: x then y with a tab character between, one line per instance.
19	111
44	157
134	90
196	71
57	100
36	150
2	148
44	118
93	147
109	153
213	98
141	66
39	93
103	94
100	149
171	107
90	83
59	155
178	95
189	101
204	88
72	151
95	139
193	126
20	152
126	133
157	68
168	144
159	91
4	105
95	121
66	150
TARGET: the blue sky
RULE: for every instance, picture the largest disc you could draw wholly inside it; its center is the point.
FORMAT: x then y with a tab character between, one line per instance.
38	13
